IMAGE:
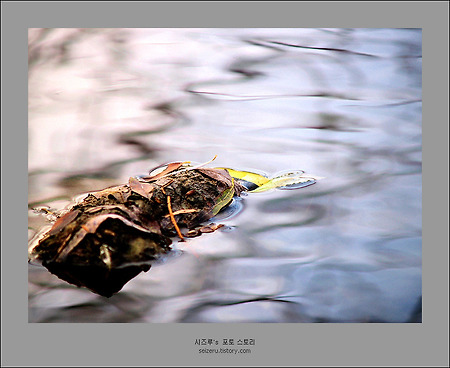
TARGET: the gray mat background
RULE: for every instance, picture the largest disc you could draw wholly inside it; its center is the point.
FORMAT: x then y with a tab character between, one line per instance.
24	344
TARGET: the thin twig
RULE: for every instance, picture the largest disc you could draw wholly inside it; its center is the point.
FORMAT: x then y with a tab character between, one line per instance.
172	218
180	212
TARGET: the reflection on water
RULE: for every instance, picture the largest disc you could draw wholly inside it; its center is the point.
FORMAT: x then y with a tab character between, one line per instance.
344	104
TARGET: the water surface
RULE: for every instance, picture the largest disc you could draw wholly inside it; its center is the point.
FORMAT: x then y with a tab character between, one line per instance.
344	104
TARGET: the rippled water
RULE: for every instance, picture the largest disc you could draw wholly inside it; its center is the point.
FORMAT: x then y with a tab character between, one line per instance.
344	104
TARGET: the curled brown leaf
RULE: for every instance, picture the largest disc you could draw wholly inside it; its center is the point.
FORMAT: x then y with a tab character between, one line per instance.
143	189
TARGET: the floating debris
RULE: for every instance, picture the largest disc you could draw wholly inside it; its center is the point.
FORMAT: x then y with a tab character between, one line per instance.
108	237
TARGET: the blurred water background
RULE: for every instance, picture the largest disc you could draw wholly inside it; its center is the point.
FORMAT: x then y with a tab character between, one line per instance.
344	104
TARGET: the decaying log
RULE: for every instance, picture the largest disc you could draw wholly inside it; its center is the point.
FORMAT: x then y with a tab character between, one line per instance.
112	235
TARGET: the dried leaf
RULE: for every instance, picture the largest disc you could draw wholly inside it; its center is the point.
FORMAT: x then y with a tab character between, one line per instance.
210	228
115	191
91	226
63	221
193	233
143	189
219	175
170	167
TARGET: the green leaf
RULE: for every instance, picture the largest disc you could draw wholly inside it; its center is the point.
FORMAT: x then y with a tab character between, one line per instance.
223	199
287	180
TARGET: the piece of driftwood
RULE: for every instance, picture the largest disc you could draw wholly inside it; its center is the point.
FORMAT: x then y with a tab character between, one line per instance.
112	235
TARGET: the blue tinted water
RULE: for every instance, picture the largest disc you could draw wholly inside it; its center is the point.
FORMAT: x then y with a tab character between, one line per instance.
343	104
